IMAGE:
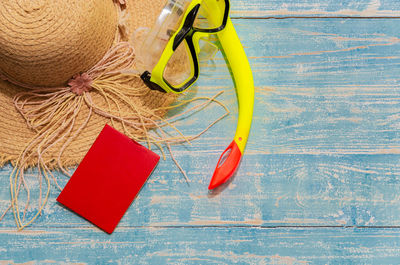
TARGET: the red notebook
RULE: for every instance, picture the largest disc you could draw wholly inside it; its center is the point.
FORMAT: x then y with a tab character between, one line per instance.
108	179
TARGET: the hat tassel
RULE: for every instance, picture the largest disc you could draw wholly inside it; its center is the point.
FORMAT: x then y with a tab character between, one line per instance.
53	114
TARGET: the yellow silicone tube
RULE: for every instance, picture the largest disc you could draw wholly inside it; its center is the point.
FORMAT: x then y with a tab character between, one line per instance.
243	79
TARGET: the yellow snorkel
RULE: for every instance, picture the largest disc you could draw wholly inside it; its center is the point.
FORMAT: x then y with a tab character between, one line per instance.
182	25
243	79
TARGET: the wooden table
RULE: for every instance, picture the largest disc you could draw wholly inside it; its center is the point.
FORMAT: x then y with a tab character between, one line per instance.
320	182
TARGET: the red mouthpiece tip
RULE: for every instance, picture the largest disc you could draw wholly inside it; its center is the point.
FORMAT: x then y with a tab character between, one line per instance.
227	165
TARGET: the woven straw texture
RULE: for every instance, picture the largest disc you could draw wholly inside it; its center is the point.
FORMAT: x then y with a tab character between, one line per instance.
44	43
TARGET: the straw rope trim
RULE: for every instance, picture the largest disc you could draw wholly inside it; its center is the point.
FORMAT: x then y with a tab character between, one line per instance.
53	114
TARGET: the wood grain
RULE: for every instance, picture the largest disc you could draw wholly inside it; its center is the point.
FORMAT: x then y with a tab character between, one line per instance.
315	8
214	245
320	179
268	191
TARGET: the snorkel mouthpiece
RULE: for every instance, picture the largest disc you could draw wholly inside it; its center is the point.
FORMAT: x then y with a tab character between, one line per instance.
243	77
170	58
227	165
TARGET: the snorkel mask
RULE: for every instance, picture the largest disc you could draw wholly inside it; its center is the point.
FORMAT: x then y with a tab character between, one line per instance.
178	36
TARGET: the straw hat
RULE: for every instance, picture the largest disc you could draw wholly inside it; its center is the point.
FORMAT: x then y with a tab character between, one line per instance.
47	45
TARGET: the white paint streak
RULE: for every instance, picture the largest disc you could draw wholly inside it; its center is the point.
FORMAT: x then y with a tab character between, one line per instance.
371	10
28	232
229	256
11	262
277	259
373	6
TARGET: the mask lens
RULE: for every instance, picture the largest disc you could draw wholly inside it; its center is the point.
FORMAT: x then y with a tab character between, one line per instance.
179	69
157	38
208	50
210	15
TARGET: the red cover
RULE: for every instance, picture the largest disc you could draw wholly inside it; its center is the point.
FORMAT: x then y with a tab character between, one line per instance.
108	179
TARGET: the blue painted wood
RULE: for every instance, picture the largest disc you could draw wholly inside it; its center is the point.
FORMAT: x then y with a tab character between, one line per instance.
315	8
269	190
324	151
207	245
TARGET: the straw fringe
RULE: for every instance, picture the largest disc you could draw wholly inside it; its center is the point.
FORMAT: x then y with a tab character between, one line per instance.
52	113
56	139
18	182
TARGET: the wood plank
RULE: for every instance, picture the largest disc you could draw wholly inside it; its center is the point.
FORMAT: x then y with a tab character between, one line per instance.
315	8
323	86
325	144
202	246
269	190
